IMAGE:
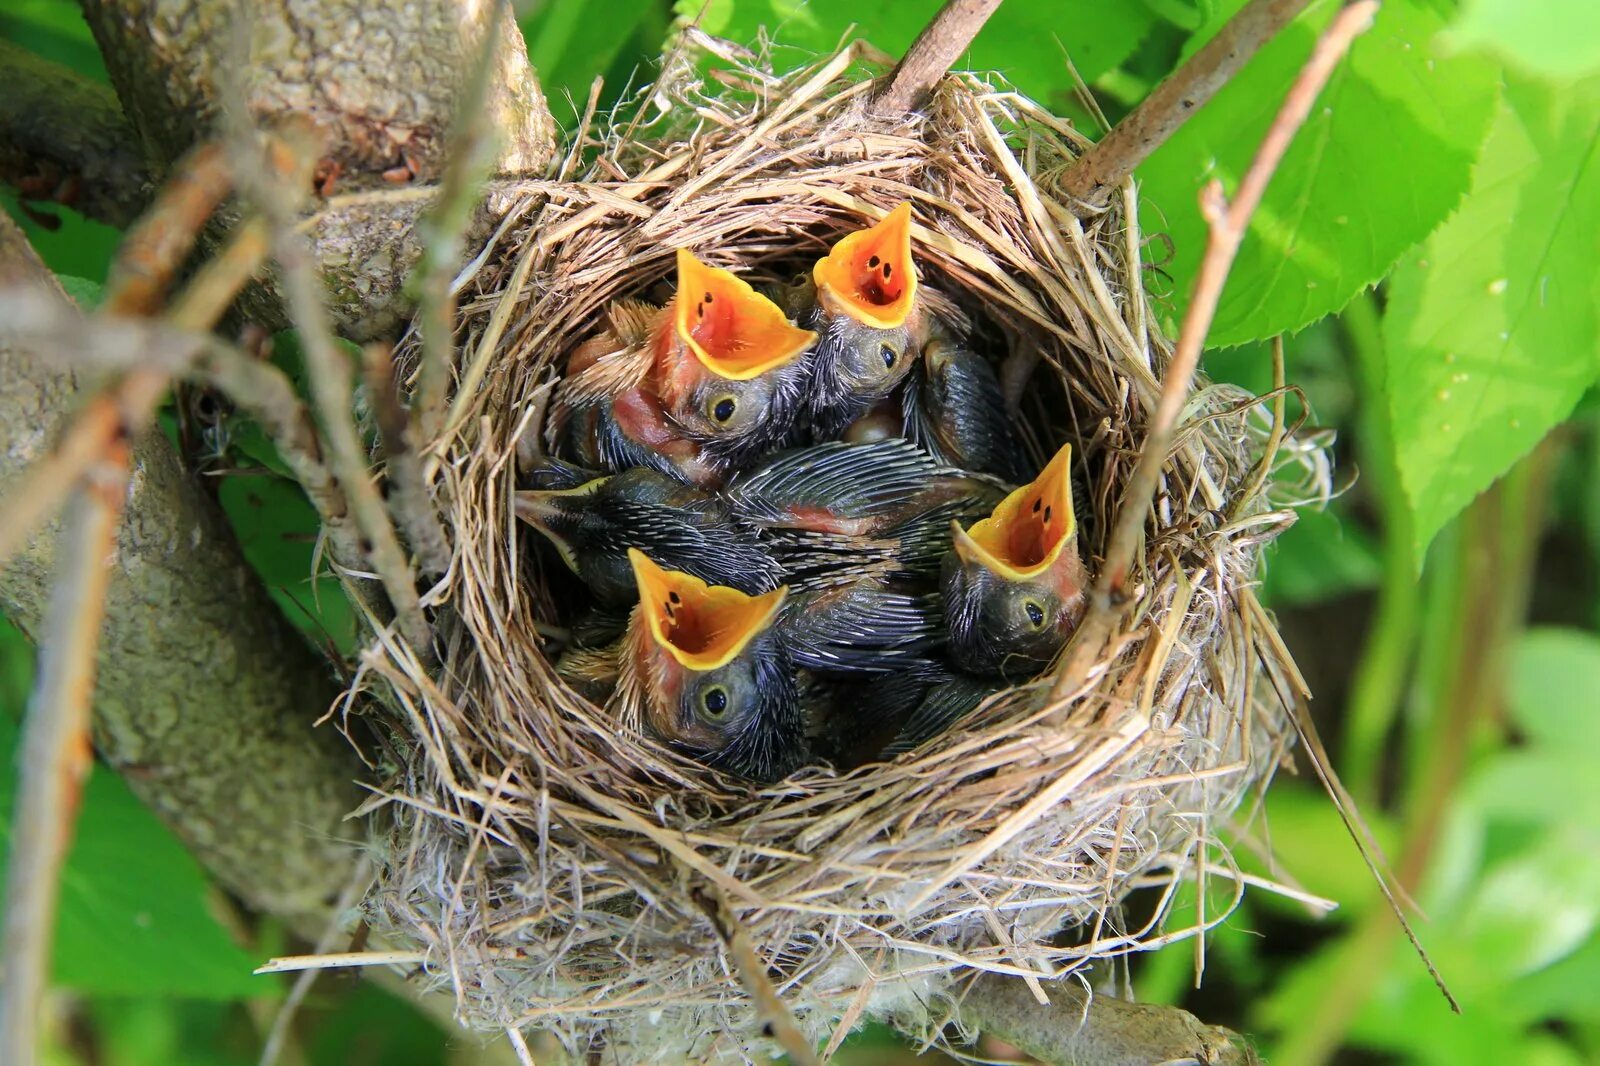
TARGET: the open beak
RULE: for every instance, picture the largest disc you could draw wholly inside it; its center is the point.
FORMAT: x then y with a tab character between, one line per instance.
550	513
734	331
702	626
1027	531
869	275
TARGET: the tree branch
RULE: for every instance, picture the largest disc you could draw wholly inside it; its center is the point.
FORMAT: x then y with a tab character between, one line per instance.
208	714
381	82
934	51
1228	224
1079	1028
63	138
1172	103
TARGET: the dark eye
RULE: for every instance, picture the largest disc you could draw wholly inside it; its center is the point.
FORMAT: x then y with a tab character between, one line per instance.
889	355
714	703
1035	613
722	408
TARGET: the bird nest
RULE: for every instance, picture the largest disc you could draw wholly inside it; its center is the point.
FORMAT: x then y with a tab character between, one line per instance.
559	873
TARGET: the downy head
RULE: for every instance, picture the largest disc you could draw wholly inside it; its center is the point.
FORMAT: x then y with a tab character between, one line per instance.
717	679
1013	584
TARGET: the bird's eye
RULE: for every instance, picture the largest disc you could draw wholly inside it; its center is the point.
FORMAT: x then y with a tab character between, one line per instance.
1035	611
714	703
722	409
889	355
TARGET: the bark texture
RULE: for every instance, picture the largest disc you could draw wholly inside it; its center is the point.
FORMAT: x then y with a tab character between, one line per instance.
205	696
381	82
64	138
1077	1028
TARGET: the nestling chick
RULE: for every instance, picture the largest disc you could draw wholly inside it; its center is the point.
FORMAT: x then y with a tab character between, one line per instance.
1013	584
694	390
707	669
593	525
728	368
954	409
864	306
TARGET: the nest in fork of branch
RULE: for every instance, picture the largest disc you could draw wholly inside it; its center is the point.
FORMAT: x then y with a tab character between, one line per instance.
560	874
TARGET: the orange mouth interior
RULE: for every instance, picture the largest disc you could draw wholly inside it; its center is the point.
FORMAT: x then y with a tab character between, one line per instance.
1026	532
869	273
734	331
702	626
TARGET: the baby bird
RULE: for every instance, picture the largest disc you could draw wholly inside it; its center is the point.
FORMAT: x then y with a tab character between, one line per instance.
695	389
594	525
1013	584
704	667
955	410
863	303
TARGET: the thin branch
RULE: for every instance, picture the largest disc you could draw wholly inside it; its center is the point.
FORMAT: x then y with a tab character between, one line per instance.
1184	92
409	498
934	51
63	138
779	1022
442	230
329	373
56	753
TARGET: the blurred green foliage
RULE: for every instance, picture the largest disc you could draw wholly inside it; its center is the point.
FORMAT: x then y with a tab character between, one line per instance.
1451	163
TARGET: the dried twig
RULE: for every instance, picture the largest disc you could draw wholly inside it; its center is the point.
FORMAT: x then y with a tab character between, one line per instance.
752	972
56	753
936	48
442	229
409	499
145	265
1176	99
1228	223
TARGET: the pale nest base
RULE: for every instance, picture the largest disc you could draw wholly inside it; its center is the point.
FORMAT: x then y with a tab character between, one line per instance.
562	877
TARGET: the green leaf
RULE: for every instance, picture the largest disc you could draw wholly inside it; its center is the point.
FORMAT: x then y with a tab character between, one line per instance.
1028	43
1534	908
1491	328
1554	687
569	46
1322	556
133	916
1554	38
1383	158
277	528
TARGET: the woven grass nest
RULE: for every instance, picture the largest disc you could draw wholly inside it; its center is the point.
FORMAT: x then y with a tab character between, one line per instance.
561	875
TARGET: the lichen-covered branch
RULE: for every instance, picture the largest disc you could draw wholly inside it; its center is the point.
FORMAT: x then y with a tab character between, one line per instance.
381	82
64	138
205	696
1081	1028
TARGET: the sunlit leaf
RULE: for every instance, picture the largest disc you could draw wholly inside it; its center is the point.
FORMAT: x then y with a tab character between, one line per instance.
1558	38
570	44
1383	158
1491	328
1536	907
134	916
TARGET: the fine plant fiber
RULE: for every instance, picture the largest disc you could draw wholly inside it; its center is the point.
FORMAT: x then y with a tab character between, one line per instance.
562	873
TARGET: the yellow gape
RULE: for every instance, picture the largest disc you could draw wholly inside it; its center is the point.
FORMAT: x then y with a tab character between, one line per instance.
868	275
1025	534
733	331
702	626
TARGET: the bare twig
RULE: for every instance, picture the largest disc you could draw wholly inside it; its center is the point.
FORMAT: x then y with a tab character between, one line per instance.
1176	99
329	373
409	499
56	754
1228	223
442	229
936	48
752	973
